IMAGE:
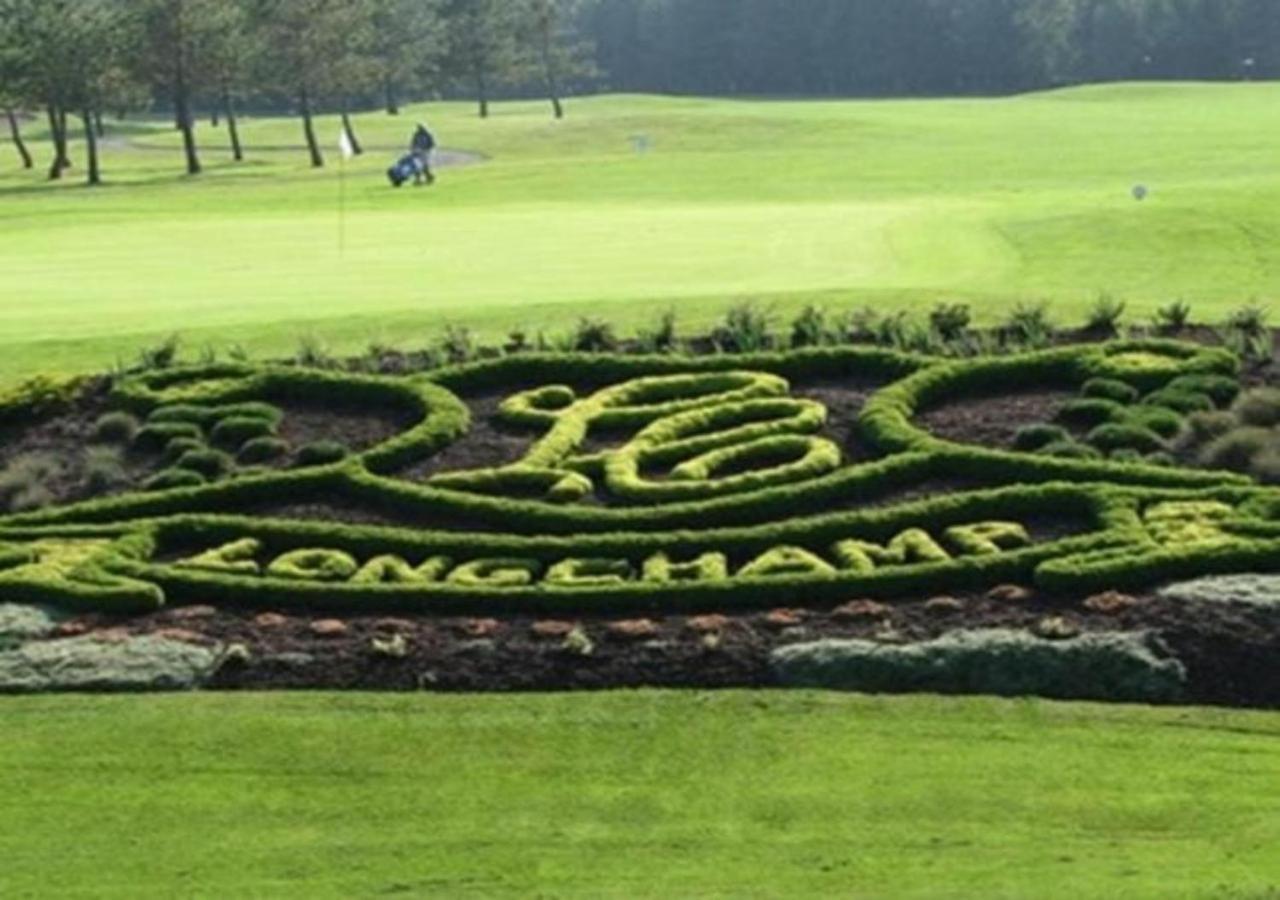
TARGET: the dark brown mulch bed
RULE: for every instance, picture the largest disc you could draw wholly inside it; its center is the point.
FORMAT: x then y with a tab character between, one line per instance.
487	444
992	421
1229	650
355	427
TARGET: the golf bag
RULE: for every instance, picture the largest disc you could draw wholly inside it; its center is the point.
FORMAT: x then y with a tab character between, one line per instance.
409	166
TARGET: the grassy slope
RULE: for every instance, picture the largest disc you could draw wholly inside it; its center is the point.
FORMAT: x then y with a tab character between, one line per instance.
901	202
633	794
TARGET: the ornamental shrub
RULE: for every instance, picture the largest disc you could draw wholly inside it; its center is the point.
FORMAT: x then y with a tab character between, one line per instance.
1164	422
152	438
1036	437
179	447
1221	389
234	432
212	464
1185	402
1103	666
1260	407
171	479
1089	412
1205	426
262	450
1237	449
1115	436
1070	450
115	428
321	453
1110	389
104	470
1105	315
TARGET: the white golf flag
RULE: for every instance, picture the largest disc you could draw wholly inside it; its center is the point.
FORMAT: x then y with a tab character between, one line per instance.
344	144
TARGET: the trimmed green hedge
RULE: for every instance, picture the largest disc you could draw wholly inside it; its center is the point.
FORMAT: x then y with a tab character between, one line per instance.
722	490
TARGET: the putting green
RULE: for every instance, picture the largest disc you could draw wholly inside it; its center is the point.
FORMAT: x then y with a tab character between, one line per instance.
892	203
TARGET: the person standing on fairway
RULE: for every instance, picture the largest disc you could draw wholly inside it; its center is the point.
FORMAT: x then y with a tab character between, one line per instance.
421	146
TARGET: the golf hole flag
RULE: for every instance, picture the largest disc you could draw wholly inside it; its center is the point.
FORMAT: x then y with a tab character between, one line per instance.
344	144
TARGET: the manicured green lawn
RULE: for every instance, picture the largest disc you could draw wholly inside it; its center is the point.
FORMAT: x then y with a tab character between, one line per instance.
633	795
892	203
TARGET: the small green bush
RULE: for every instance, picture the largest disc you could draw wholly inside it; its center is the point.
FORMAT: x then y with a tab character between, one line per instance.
1205	426
594	336
1221	389
1185	402
104	470
321	453
1029	325
1110	389
189	414
746	329
1173	318
262	450
1036	437
809	328
212	464
950	321
1089	412
234	432
1105	315
152	438
171	479
178	447
1070	450
1260	408
1125	455
1164	422
661	337
1161	458
23	482
1117	436
1237	449
1266	466
115	428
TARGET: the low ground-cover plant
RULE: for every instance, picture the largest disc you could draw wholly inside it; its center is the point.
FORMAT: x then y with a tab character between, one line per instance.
1110	666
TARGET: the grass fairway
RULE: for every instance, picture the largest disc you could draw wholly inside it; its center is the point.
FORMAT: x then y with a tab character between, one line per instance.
891	202
633	794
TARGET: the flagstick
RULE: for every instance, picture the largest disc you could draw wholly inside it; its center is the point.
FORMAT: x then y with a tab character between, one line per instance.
342	203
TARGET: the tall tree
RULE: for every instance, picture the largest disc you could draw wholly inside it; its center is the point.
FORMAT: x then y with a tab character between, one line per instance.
14	63
310	42
407	43
179	36
482	44
559	54
230	58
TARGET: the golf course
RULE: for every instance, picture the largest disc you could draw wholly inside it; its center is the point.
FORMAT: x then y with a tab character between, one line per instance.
385	770
633	205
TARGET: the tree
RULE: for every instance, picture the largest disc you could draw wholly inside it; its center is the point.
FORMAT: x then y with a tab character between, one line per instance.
560	55
482	44
230	58
311	42
14	61
180	37
407	43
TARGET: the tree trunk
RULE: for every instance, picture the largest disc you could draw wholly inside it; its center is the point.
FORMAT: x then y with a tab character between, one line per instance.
91	147
482	92
182	103
59	138
549	74
213	117
389	93
308	128
236	153
16	132
350	132
97	123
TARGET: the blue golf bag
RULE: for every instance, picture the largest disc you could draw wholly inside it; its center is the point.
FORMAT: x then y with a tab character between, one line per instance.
409	166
